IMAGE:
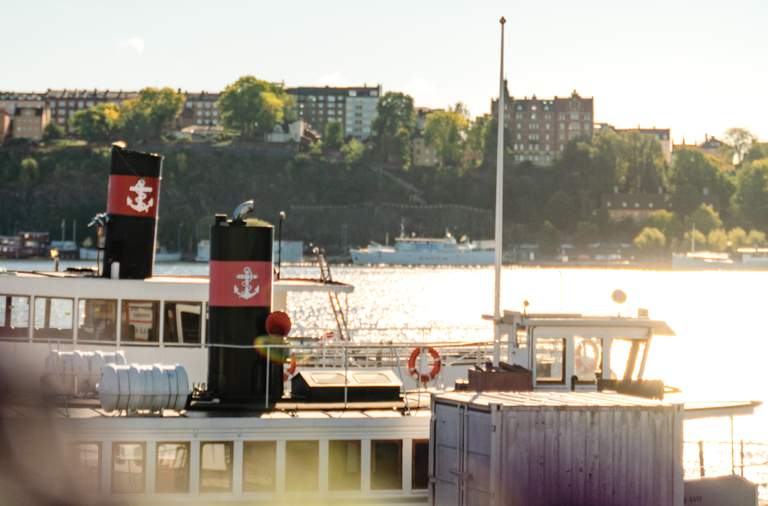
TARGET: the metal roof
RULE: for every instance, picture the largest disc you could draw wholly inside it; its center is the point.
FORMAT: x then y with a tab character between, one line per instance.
550	400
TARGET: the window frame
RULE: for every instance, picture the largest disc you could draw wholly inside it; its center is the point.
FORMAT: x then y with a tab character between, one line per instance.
44	338
204	490
562	380
115	445
28	334
188	446
157	308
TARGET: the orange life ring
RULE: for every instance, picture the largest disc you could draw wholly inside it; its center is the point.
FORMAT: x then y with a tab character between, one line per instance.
289	372
418	375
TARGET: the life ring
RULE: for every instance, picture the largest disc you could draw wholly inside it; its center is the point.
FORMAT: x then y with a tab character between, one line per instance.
582	360
289	372
418	375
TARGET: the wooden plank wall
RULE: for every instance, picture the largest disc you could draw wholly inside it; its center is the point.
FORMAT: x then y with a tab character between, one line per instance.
595	455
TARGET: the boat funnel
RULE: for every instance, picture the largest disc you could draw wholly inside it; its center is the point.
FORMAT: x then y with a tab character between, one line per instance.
132	203
242	368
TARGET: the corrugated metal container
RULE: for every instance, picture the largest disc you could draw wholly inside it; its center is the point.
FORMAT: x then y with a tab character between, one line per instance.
553	448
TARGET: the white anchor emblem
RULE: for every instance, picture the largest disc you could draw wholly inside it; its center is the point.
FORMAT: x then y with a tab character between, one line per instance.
141	190
247	291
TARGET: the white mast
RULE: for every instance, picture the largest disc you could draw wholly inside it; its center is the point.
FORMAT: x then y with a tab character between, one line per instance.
499	207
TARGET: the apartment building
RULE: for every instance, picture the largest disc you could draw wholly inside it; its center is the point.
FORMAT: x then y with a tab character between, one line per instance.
65	103
539	129
353	107
199	110
28	114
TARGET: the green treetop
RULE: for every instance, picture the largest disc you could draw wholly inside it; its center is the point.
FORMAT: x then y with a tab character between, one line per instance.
252	106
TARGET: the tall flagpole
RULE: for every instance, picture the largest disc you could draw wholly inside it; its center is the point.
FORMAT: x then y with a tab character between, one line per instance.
499	206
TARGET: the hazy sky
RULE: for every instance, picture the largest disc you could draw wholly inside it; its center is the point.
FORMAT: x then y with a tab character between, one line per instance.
696	66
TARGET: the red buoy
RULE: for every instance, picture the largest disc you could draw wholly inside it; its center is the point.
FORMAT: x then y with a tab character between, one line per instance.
278	324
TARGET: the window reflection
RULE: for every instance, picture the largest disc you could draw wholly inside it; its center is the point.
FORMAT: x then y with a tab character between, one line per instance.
344	465
172	470
128	469
587	358
420	464
181	323
550	360
86	460
139	321
386	465
97	320
259	466
216	467
14	316
301	464
53	318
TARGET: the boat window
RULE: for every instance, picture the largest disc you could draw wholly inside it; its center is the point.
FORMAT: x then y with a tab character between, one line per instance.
14	316
587	358
621	355
86	460
216	466
301	465
420	464
139	321
386	464
128	468
172	469
522	337
53	318
96	320
550	360
259	467
344	465
181	322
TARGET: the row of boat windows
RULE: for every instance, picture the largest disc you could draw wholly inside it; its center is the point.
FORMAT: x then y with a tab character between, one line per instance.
54	318
128	466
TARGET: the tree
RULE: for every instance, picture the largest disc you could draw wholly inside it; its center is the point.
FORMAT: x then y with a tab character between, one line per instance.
548	238
699	239
694	178
333	138
717	240
750	201
97	123
756	239
393	128
740	140
562	210
667	222
586	233
650	240
445	130
252	106
704	218
353	151
147	116
737	238
645	164
52	132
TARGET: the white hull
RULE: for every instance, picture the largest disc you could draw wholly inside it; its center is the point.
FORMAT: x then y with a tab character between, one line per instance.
164	256
701	261
393	257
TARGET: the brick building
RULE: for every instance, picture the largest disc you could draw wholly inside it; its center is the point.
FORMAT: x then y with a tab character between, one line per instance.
65	103
354	107
200	110
539	129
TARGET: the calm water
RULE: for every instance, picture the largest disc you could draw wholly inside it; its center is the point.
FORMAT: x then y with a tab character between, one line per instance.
720	351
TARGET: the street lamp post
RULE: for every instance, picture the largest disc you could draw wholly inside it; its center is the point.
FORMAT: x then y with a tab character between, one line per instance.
280	241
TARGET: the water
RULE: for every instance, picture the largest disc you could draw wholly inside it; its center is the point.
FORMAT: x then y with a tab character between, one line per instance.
720	351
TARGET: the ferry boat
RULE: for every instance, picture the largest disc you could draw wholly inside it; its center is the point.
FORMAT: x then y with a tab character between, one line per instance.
423	251
702	260
278	420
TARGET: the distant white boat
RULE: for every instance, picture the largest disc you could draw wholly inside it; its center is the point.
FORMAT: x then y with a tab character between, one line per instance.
425	251
701	260
753	258
160	256
289	252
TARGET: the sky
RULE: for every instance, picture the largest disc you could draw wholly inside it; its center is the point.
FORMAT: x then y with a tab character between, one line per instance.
695	66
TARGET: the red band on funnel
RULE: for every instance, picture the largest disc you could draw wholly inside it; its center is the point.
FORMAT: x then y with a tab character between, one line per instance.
240	284
133	196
